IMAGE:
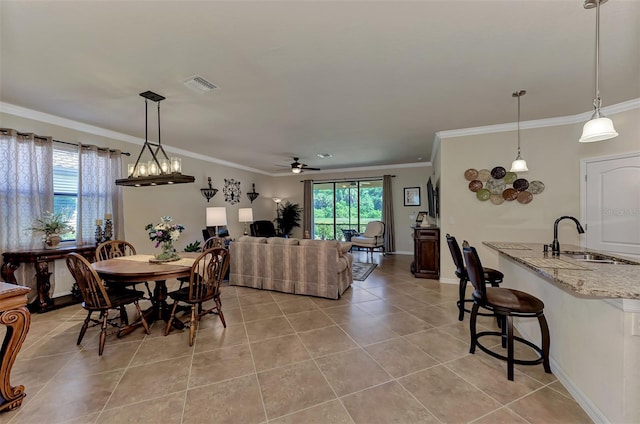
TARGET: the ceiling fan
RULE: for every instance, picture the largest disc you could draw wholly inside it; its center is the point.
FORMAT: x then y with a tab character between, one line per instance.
297	167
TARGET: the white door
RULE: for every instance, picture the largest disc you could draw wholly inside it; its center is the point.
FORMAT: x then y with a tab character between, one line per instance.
612	204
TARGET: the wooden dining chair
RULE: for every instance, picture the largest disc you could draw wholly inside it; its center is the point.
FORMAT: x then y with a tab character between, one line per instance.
98	298
207	273
116	249
210	243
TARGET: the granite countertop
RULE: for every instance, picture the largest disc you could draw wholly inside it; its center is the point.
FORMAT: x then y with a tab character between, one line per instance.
620	280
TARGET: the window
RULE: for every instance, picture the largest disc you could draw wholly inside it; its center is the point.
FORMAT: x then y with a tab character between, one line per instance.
65	186
345	205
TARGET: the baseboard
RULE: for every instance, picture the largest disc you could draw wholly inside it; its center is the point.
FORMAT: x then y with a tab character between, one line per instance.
585	403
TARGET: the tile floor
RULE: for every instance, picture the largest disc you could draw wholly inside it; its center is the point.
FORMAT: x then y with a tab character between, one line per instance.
390	350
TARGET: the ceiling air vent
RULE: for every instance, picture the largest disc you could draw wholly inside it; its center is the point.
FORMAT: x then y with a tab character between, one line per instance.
199	84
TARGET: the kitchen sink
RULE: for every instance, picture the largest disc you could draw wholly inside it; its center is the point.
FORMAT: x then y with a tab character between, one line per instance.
597	258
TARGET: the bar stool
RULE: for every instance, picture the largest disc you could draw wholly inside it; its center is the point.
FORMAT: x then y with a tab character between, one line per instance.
491	276
506	304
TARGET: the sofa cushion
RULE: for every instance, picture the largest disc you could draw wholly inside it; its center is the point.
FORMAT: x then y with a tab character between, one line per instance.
250	239
364	241
283	241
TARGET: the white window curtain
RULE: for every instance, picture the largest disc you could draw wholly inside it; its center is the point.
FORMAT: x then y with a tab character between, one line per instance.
26	191
26	185
97	193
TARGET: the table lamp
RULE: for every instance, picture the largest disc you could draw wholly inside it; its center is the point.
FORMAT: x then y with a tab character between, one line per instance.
216	217
245	215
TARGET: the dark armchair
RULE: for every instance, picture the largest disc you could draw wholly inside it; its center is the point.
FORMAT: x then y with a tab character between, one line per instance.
262	229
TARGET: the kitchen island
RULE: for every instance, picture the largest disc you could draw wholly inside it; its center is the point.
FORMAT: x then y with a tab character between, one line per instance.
593	310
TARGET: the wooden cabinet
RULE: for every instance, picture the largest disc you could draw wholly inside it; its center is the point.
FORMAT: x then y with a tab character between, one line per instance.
426	252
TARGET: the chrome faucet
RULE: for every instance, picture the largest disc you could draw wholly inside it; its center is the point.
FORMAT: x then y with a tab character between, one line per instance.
555	245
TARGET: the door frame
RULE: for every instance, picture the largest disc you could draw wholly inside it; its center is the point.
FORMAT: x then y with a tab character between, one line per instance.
583	182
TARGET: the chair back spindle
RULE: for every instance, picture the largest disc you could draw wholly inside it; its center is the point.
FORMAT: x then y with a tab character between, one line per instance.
93	291
114	249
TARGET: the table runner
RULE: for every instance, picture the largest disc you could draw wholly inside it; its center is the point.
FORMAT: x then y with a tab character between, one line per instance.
145	258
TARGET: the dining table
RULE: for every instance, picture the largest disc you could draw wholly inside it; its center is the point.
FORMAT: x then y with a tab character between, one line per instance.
128	270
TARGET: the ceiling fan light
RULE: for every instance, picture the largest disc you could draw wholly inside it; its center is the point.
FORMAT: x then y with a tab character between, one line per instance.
598	129
296	170
519	165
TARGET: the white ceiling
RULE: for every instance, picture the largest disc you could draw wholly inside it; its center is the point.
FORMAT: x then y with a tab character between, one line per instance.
368	82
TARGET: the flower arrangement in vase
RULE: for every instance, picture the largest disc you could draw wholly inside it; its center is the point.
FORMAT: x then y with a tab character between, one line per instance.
165	234
52	226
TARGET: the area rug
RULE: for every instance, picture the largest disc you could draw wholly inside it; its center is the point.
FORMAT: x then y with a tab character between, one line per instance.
361	271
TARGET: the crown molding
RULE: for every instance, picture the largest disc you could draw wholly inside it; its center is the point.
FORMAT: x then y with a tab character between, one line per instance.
539	123
23	112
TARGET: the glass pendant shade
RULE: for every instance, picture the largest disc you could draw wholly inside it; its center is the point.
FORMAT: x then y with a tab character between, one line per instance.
598	129
519	165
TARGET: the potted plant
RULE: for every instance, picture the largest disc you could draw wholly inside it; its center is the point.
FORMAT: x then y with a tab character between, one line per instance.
52	226
289	218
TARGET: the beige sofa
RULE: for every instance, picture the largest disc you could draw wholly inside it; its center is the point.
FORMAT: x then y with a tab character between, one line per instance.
310	267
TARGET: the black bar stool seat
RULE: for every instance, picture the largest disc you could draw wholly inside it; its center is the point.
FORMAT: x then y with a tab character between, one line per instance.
505	304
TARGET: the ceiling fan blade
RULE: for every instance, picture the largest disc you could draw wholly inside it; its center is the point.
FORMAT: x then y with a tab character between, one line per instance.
310	168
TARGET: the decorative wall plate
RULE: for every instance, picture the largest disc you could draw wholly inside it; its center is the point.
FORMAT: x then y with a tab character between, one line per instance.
536	187
525	197
484	175
497	199
475	185
510	194
470	174
510	177
498	172
495	186
483	194
521	184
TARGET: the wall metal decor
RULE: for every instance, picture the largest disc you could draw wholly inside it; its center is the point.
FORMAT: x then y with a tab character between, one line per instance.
253	195
231	191
208	192
498	186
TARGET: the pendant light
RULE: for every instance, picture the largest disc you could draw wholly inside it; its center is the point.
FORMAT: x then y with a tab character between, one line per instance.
599	127
519	165
161	169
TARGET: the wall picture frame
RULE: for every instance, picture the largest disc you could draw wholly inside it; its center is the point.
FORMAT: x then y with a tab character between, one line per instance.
412	196
422	216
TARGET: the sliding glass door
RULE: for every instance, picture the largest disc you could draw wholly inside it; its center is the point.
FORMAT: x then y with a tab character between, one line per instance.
341	208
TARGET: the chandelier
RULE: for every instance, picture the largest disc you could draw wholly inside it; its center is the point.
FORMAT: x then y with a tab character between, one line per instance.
160	169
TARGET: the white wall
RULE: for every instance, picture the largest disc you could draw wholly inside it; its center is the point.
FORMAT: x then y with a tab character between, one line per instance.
553	156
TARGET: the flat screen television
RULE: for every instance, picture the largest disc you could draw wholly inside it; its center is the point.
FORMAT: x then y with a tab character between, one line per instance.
431	199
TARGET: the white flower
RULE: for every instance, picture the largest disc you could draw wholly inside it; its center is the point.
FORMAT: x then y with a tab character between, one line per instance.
175	234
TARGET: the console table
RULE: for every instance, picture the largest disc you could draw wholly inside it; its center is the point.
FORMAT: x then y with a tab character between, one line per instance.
16	317
41	258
